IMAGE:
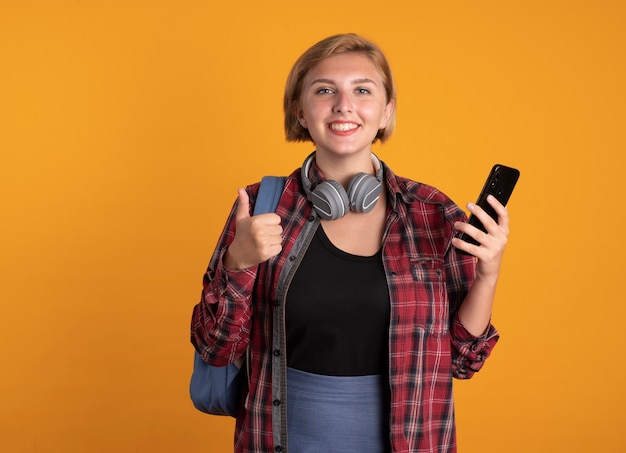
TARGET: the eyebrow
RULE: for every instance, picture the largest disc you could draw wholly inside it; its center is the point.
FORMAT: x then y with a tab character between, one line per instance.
354	82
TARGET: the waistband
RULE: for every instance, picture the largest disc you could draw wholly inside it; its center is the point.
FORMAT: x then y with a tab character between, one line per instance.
349	386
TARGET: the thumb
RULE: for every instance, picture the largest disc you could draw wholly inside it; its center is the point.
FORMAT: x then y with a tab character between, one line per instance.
243	209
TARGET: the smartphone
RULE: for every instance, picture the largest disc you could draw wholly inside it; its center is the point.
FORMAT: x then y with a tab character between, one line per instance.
500	183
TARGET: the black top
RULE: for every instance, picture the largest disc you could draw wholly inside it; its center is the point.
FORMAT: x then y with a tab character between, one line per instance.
337	312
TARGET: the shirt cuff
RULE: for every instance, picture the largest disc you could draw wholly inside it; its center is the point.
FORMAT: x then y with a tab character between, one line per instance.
234	283
461	334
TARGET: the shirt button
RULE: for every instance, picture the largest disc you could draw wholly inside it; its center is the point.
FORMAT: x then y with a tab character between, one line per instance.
311	218
276	303
292	257
278	448
276	402
276	352
393	274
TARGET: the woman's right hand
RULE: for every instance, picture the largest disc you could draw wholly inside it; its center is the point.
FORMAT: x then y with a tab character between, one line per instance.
257	238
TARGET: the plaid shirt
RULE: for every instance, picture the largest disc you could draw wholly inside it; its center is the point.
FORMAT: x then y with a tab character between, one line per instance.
427	281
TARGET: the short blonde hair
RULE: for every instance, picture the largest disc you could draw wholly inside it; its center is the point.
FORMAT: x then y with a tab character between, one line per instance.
328	47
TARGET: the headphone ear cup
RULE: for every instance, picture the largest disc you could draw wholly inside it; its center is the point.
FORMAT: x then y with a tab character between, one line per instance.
363	192
330	200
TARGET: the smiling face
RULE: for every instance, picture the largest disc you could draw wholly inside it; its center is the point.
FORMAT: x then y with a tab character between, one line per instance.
344	104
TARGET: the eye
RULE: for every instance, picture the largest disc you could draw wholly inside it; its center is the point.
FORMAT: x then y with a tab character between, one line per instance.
324	91
362	91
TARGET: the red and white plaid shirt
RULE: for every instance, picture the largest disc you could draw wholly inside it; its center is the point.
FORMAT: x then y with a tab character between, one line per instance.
427	279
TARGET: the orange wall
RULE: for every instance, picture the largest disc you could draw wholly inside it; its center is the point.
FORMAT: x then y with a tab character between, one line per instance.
127	126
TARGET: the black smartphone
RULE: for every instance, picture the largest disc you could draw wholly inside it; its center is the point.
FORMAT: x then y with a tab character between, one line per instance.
500	183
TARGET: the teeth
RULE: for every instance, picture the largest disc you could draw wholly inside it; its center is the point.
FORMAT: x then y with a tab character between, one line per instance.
343	126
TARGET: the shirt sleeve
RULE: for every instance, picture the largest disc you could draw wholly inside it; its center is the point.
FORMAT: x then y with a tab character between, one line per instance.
220	323
468	352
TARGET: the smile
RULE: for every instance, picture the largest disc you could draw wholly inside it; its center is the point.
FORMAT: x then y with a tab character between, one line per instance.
342	127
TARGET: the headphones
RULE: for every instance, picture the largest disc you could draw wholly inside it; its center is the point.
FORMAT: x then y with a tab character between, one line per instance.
332	201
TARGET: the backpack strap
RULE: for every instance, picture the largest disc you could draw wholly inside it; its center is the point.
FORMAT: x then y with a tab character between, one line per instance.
269	194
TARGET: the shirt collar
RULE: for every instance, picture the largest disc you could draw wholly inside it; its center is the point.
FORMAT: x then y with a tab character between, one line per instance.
396	188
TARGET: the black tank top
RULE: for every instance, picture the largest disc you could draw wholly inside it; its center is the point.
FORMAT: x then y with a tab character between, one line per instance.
337	312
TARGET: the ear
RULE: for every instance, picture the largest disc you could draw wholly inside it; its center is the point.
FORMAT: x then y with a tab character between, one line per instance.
389	108
297	111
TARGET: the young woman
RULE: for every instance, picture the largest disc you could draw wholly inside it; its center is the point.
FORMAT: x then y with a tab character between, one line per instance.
353	299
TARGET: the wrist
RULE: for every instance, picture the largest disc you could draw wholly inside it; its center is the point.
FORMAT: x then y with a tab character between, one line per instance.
486	278
230	261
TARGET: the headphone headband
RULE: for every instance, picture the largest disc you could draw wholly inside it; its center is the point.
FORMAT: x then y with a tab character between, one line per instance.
332	201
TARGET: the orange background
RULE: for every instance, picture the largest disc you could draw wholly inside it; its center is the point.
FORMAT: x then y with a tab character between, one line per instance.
127	126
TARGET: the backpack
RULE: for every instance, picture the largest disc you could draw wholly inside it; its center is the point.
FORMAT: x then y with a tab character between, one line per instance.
218	390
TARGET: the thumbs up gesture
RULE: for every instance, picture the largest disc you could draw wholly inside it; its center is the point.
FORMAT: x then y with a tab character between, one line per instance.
257	238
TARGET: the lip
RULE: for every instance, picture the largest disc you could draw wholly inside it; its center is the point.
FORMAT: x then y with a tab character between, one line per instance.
342	128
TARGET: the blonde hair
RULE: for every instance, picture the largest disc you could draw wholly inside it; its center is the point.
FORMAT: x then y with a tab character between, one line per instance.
328	47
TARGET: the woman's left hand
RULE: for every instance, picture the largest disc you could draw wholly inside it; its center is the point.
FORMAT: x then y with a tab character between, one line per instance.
492	243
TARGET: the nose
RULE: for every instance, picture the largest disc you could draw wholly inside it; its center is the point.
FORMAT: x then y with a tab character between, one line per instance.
343	103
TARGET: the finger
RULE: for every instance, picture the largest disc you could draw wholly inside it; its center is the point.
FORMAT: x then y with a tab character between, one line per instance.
475	233
265	233
466	247
269	242
487	221
501	210
243	208
269	218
